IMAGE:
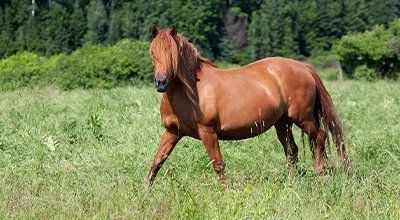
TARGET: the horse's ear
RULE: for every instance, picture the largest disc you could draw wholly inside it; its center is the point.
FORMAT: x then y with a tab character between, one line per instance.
173	31
154	31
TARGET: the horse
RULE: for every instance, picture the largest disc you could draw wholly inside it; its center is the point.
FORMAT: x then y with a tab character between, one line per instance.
210	104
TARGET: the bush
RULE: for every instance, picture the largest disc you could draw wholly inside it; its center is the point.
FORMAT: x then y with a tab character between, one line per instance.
24	69
377	49
105	66
225	65
365	73
324	60
48	67
89	67
329	73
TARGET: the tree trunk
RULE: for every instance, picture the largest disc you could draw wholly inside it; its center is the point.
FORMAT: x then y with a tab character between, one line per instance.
340	71
33	8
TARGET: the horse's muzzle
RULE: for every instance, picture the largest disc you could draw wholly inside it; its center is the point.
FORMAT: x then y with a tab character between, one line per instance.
161	84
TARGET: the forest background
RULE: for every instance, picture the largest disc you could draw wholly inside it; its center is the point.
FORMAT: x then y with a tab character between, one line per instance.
58	40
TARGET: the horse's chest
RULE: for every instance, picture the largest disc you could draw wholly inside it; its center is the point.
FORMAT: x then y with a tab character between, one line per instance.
175	116
168	117
170	121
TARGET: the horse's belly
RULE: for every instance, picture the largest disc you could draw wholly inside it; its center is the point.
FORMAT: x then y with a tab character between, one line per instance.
245	124
241	133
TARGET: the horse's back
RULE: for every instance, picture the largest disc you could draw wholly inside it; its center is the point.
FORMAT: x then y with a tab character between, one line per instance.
289	71
290	77
297	83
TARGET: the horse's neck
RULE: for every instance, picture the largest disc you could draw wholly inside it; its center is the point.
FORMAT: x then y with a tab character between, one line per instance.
178	93
175	90
178	89
206	63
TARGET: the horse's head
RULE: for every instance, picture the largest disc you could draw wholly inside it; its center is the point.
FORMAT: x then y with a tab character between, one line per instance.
164	55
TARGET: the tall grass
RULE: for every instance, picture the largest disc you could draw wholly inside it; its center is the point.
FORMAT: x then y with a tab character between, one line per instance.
85	154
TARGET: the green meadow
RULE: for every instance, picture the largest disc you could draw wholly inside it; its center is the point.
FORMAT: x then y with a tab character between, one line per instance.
84	154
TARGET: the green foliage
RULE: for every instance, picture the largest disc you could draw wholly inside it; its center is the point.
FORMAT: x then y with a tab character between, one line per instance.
223	64
7	36
329	73
29	38
228	53
53	166
377	49
49	67
115	32
257	29
89	67
273	30
302	28
294	29
198	20
24	69
105	66
96	23
324	60
237	11
57	32
365	73
95	125
78	26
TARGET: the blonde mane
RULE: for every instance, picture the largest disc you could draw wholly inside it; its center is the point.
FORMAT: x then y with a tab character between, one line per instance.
181	60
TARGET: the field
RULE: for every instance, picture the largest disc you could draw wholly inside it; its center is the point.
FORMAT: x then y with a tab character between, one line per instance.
85	154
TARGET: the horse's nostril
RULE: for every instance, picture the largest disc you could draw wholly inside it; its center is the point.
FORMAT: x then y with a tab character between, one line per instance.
161	83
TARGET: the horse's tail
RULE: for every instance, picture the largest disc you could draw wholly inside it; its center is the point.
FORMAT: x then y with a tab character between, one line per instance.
324	112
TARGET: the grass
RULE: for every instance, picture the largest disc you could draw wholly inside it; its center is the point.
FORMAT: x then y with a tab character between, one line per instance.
85	154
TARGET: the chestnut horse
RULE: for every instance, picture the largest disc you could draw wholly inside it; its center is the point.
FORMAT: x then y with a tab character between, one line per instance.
211	104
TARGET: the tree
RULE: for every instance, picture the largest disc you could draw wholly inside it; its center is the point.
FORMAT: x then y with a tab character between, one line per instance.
274	30
1	18
57	34
7	46
376	49
247	6
258	46
96	23
21	13
78	26
114	33
382	12
355	17
201	21
218	28
29	37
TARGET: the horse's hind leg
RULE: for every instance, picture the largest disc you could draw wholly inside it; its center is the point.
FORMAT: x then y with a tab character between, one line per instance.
317	137
284	131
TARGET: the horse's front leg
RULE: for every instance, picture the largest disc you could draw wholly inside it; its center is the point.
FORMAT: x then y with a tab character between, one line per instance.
210	141
168	141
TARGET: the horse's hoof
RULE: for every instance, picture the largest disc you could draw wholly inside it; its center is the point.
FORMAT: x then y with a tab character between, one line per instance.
319	170
224	182
148	183
325	176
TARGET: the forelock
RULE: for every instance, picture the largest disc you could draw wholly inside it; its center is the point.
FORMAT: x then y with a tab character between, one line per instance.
165	51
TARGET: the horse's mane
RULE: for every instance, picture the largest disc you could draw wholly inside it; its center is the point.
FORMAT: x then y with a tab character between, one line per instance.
182	60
